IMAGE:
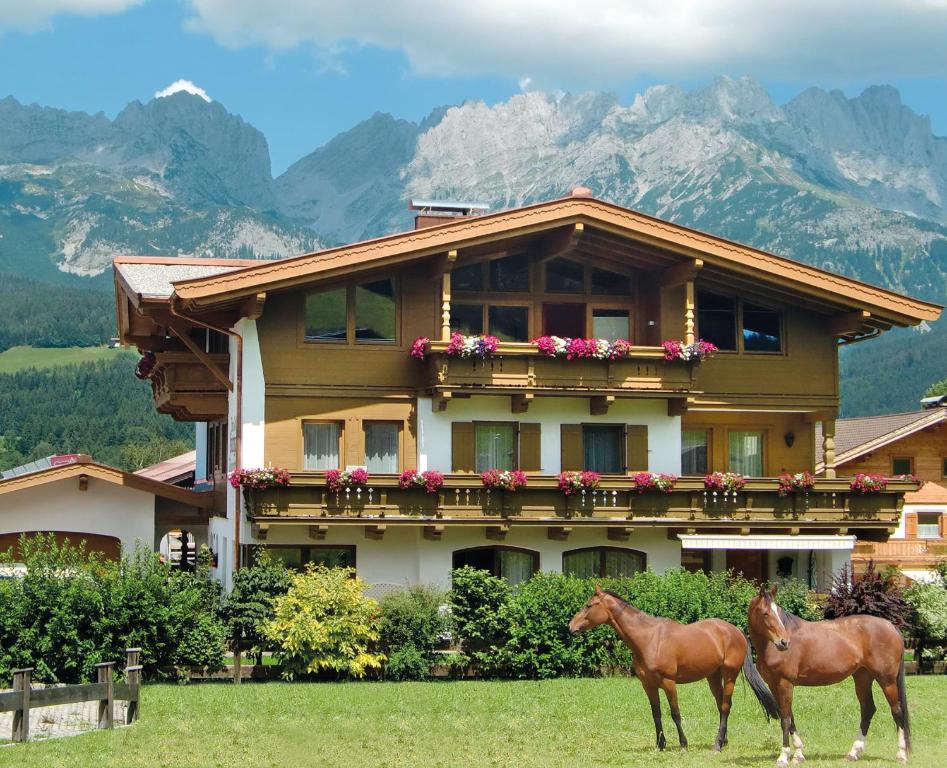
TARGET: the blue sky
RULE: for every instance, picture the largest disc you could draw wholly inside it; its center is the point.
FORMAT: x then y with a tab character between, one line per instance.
302	72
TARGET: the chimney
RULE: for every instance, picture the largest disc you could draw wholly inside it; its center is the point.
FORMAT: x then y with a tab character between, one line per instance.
433	212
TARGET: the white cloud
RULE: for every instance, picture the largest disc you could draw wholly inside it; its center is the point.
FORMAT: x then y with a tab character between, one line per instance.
31	15
183	85
525	83
606	41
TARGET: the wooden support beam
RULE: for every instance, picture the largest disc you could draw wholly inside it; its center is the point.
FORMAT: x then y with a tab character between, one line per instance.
599	404
677	406
83	482
440	401
685	272
828	447
850	322
558	532
497	532
520	403
446	265
561	242
619	533
690	313
252	306
181	332
433	532
260	531
375	532
318	532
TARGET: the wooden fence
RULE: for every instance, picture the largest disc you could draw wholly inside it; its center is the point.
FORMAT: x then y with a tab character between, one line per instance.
105	691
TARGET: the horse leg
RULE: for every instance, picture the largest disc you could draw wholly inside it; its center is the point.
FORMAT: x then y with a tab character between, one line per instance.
729	682
784	700
890	690
863	681
797	757
670	690
652	690
716	688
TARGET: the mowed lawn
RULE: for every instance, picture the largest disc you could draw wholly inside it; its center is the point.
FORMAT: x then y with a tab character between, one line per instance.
17	358
591	722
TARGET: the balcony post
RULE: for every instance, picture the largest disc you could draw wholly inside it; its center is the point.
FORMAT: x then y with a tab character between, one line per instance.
445	295
689	304
828	447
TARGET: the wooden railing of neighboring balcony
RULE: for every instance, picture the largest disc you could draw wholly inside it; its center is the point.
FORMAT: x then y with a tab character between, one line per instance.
901	549
184	387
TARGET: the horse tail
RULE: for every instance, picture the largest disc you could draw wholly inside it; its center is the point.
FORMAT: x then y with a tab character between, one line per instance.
762	691
903	701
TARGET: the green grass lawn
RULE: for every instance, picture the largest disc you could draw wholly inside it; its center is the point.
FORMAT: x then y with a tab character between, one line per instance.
602	722
17	358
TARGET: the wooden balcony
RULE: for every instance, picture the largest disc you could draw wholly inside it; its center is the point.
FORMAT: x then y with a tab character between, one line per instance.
518	368
185	388
758	508
920	552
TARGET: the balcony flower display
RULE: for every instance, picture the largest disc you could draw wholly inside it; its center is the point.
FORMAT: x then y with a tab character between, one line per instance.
471	346
429	480
862	483
576	482
503	479
419	347
258	479
801	481
727	482
339	480
145	366
689	353
573	349
653	481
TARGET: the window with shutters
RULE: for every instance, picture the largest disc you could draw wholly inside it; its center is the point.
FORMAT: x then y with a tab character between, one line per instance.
603	562
928	524
494	446
602	448
510	563
382	447
322	443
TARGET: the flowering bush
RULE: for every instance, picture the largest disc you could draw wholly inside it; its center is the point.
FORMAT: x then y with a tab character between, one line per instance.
728	482
801	481
575	482
258	479
430	480
472	346
504	479
868	483
338	479
419	347
678	350
571	349
651	481
146	366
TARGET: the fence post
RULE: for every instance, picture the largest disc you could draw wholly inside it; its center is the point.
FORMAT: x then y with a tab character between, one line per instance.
106	705
21	715
133	677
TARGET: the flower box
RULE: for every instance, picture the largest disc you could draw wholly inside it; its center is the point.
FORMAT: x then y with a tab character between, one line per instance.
577	482
801	481
651	481
430	481
503	480
725	482
862	483
259	479
339	480
689	353
578	349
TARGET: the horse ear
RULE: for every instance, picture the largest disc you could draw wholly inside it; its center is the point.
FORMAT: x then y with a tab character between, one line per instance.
762	592
772	592
598	589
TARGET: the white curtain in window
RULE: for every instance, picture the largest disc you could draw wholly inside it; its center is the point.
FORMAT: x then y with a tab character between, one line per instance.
321	446
694	452
746	453
515	567
618	563
494	444
584	565
381	448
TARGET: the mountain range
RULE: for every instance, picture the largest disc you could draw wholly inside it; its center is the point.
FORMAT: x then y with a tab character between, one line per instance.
857	185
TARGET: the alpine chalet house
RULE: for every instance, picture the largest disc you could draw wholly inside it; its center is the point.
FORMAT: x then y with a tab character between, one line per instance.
556	337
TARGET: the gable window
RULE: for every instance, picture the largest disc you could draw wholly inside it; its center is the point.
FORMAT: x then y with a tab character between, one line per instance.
326	315
510	273
602	448
321	444
469	278
375	311
494	446
602	562
902	465
382	441
514	565
467	319
746	453
761	329
604	282
565	276
717	320
928	525
610	324
506	322
695	445
366	312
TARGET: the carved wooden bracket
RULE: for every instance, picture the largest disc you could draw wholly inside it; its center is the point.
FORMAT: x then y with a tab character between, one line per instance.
375	532
558	532
599	404
433	532
520	403
497	532
318	532
619	533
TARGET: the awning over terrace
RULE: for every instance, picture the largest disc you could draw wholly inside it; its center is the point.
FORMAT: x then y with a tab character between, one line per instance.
766	541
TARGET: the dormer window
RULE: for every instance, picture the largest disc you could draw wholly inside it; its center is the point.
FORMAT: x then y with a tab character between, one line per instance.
565	276
375	312
761	329
510	273
718	318
363	313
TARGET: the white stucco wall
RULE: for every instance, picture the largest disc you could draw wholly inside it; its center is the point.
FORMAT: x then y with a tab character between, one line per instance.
104	508
434	429
200	452
915	508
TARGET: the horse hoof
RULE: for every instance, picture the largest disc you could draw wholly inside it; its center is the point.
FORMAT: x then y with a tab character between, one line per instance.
798	759
851	758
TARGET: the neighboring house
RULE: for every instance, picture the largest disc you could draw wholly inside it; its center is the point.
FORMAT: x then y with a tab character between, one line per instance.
895	444
305	363
79	499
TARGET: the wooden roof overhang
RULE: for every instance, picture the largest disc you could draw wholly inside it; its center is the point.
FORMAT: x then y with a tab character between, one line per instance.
580	226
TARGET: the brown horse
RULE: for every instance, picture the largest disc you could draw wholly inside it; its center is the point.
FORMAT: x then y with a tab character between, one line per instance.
665	653
791	651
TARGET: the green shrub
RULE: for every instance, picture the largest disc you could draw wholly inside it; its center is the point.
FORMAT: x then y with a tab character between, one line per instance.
411	627
794	596
408	663
325	623
477	599
250	602
928	620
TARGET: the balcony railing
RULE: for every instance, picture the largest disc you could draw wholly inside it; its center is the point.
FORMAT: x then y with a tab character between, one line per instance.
831	505
901	549
518	366
186	389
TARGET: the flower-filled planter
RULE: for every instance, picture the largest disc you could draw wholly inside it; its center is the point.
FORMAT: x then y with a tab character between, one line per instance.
503	479
419	347
801	481
259	479
651	481
340	480
578	482
727	483
464	347
146	366
689	353
579	349
862	483
429	480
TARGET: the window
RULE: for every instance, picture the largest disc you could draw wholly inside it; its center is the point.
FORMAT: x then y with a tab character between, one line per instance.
375	311
694	451
509	323
746	453
469	278
510	273
326	315
467	319
381	447
761	329
217	443
902	465
296	557
716	320
610	324
565	276
608	283
944	468
321	445
928	525
601	446
514	565
495	446
604	562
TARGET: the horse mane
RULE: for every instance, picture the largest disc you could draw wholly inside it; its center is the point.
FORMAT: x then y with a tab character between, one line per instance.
790	620
618	597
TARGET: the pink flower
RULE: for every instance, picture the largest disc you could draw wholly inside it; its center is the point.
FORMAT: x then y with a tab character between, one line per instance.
728	482
801	481
863	483
259	479
650	481
419	347
574	482
429	480
504	479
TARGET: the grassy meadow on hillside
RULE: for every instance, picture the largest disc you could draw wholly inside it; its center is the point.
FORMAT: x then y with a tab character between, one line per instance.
18	358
